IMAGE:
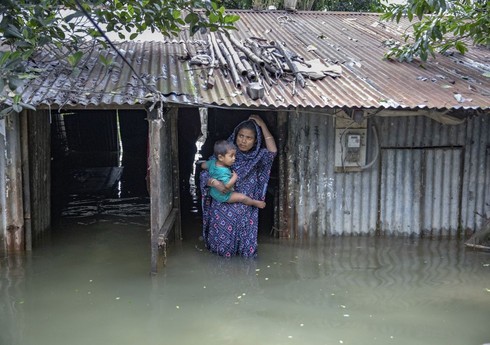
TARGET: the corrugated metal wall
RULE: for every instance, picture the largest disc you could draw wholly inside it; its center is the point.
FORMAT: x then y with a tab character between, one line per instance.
476	187
429	179
39	143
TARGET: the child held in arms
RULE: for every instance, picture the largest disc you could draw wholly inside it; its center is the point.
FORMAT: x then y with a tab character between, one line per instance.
219	169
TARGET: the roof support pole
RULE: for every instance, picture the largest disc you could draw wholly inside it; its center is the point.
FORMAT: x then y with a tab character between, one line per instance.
282	125
14	209
175	170
24	127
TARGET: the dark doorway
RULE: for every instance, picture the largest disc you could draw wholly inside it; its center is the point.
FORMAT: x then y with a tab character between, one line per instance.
99	163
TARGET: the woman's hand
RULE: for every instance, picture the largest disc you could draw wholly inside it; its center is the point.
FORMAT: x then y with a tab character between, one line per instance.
258	120
232	181
268	138
220	186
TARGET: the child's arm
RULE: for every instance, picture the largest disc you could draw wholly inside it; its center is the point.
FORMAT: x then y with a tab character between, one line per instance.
204	165
232	181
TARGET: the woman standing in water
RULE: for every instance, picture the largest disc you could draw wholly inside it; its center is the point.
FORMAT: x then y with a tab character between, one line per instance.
231	229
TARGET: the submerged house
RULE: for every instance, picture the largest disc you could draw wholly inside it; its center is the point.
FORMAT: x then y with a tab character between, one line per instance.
367	146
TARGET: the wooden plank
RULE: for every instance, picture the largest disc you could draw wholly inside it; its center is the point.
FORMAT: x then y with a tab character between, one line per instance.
282	228
24	127
165	229
162	195
14	208
175	170
155	186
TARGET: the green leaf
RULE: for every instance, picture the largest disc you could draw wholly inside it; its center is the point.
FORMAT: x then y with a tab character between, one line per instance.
74	59
176	14
460	47
191	18
74	15
213	18
105	61
231	18
410	15
12	31
133	36
14	83
17	108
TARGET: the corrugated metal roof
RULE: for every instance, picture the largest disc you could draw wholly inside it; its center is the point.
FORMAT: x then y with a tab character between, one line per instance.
352	40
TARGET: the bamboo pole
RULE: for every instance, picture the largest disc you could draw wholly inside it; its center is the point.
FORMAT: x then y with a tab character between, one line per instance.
248	52
219	55
238	63
231	65
267	76
252	76
210	78
292	66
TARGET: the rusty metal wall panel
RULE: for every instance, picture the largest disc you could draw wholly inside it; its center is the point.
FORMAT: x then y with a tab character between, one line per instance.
418	131
420	191
442	182
3	227
400	191
321	201
431	178
475	204
40	171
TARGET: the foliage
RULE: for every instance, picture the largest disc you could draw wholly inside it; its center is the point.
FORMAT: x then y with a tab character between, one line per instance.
439	25
309	5
347	6
65	28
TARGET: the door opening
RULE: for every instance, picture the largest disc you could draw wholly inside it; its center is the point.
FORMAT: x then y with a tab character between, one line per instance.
99	162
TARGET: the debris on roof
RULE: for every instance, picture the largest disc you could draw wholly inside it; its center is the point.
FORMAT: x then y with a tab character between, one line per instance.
258	62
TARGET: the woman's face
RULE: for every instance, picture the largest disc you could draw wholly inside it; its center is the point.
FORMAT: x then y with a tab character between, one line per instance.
245	139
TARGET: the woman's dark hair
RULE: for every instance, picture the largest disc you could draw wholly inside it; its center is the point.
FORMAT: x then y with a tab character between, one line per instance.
248	125
221	147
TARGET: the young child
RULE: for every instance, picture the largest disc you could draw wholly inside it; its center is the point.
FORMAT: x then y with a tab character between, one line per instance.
219	169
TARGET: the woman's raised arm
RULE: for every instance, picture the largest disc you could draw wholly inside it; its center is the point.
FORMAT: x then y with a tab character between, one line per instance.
270	143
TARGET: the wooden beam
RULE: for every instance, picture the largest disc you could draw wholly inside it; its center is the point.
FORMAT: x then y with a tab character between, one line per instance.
13	200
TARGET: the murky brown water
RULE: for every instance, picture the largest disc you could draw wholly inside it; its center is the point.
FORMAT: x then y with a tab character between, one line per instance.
89	283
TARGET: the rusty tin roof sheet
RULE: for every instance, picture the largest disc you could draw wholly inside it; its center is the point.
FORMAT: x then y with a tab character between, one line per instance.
352	40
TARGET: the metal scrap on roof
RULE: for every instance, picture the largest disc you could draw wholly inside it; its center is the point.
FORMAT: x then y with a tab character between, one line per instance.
257	63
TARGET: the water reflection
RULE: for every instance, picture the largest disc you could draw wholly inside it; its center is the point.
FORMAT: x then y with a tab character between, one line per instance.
90	283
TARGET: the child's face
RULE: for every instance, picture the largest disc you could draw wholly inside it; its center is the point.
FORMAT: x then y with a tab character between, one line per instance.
229	158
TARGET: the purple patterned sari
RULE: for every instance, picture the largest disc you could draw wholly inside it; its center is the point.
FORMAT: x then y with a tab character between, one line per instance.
231	229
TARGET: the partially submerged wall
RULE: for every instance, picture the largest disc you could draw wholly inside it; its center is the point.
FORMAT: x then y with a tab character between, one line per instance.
429	179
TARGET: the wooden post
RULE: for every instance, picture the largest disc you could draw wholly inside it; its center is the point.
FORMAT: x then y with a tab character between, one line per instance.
175	170
163	182
14	205
154	161
282	140
24	125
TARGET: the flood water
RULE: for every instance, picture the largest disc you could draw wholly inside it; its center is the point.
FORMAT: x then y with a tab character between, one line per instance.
89	283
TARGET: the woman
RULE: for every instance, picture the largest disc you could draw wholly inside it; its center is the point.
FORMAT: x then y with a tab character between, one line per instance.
231	229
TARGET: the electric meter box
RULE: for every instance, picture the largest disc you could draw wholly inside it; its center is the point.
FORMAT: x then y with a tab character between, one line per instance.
350	149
